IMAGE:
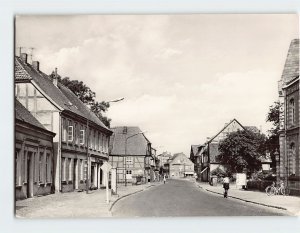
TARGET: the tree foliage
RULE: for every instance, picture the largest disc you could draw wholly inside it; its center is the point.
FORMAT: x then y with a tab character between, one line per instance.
272	142
87	96
242	149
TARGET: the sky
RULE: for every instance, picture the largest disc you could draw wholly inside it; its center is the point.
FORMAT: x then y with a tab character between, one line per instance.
182	76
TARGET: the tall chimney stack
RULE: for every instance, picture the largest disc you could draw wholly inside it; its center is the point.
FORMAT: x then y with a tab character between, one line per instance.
23	57
36	65
55	80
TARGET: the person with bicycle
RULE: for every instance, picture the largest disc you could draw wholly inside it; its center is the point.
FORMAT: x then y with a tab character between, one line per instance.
226	186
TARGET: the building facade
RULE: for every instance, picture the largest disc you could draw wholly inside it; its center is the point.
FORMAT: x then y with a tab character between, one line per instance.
289	120
130	154
208	152
181	166
33	155
81	141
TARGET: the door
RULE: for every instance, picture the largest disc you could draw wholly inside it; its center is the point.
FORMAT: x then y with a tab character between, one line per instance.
75	174
30	174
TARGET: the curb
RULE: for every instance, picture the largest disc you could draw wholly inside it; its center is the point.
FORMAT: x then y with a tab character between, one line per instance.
126	195
253	202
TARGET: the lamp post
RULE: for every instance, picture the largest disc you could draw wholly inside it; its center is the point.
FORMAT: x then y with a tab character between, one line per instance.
126	153
277	158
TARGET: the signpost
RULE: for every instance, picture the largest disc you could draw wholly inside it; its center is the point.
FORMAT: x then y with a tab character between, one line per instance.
106	167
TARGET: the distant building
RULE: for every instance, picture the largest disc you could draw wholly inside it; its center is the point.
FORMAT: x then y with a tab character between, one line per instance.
289	120
130	153
180	166
81	141
33	155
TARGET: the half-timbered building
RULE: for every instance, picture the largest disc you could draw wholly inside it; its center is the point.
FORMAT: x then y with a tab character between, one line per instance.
130	154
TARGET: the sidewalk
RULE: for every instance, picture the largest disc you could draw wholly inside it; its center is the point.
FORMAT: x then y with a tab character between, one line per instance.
75	204
289	203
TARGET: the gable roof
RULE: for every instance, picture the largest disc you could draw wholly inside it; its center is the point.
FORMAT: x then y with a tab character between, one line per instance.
234	120
253	129
61	95
213	152
194	149
136	145
291	66
23	115
177	155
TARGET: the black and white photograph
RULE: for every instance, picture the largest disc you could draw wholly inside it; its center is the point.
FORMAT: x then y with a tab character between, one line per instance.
156	115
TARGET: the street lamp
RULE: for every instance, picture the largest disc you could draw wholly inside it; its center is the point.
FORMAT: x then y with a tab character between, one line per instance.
126	153
277	158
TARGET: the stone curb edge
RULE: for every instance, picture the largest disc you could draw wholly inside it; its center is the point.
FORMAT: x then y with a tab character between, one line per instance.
126	195
257	203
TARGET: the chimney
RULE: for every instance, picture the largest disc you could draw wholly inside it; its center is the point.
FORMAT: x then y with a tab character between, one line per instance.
23	57
55	78
36	65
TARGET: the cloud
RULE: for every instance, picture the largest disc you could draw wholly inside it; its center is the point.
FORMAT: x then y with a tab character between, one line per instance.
182	76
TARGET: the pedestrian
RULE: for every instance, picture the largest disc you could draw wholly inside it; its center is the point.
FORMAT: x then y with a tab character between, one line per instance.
226	186
164	179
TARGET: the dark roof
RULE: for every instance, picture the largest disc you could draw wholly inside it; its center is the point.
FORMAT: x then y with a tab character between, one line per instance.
22	114
213	152
61	95
291	67
234	120
136	145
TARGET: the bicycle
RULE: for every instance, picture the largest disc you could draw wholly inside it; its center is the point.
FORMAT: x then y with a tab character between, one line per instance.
277	190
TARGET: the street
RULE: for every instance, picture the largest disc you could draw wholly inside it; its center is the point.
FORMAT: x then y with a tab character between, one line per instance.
183	198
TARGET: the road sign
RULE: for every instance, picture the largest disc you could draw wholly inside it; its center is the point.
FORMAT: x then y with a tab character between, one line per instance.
106	167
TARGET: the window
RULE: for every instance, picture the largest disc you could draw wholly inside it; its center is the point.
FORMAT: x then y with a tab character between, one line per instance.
91	139
85	169
41	167
292	111
64	130
70	132
128	172
48	168
292	158
101	142
129	160
81	137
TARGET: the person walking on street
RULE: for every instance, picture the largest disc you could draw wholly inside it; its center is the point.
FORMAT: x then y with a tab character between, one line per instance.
164	179
226	186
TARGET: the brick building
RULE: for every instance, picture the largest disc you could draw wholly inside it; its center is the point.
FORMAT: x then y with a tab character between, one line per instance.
289	120
33	155
81	141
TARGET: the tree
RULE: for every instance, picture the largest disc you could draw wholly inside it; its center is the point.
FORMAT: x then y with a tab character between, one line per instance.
87	96
272	142
242	149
